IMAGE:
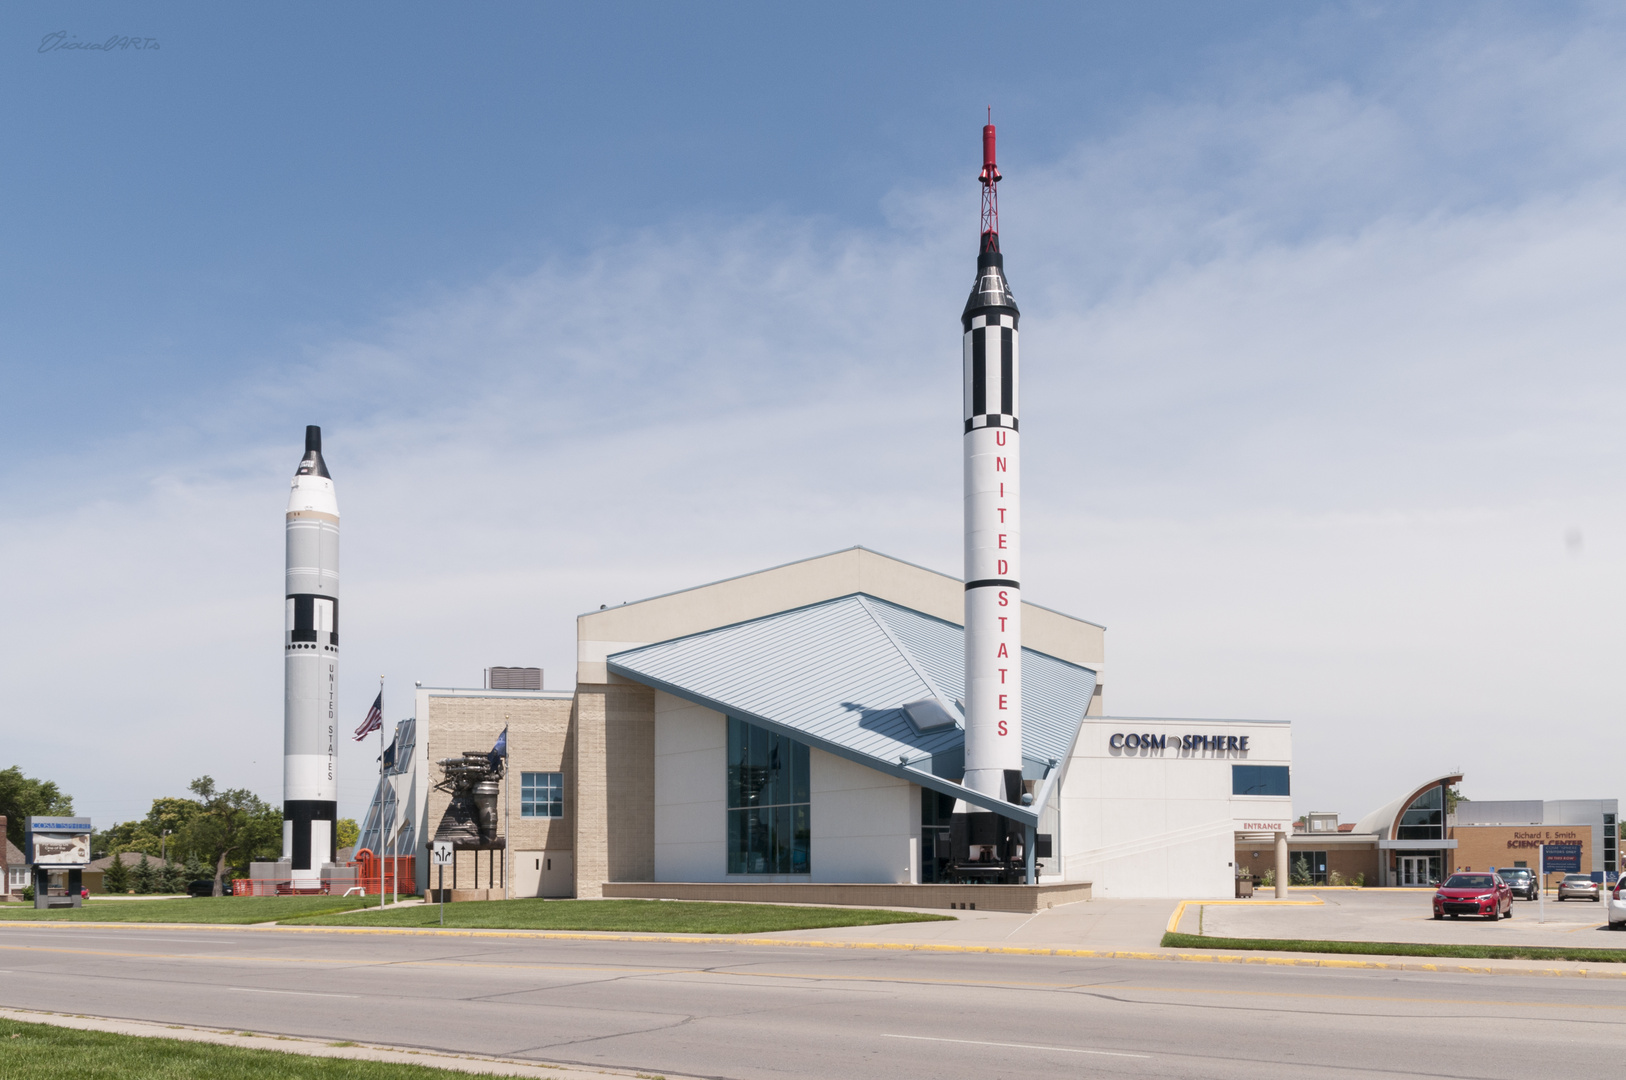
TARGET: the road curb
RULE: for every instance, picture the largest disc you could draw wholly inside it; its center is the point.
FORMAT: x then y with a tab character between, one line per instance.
290	1044
1261	959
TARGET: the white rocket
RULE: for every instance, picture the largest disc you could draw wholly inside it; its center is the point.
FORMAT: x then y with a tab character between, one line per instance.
993	518
310	790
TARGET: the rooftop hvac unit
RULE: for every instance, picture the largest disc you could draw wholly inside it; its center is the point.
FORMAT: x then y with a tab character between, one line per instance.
514	678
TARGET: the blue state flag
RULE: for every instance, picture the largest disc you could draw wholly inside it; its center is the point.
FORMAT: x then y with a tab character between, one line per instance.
500	750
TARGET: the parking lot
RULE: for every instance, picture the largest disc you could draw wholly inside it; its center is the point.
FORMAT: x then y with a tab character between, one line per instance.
1374	915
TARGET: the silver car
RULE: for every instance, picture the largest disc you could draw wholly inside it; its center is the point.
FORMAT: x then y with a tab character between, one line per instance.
1579	887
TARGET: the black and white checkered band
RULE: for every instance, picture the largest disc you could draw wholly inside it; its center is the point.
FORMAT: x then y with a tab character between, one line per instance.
991	369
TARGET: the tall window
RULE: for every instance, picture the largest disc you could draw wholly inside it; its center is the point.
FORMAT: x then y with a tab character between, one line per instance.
541	794
768	801
1424	819
1610	852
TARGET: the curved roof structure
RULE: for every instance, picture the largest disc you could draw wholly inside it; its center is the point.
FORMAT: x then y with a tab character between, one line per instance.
850	676
1386	818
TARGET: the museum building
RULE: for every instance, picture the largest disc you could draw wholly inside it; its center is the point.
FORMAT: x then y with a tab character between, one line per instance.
1419	838
797	733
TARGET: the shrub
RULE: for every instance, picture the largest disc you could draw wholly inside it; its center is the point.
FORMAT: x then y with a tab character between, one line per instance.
28	893
1301	871
116	878
145	875
1268	878
1334	878
1359	880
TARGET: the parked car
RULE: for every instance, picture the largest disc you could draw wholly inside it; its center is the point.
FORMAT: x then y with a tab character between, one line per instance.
206	887
1617	905
1474	894
1579	887
1521	881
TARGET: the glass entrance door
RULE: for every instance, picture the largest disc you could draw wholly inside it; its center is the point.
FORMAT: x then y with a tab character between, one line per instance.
1419	871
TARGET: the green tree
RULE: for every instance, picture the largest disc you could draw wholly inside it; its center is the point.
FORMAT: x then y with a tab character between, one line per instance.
233	828
144	876
116	879
1452	798
129	836
349	832
1301	871
195	869
22	796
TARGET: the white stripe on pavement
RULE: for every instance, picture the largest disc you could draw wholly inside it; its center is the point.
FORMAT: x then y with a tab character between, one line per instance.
1017	1046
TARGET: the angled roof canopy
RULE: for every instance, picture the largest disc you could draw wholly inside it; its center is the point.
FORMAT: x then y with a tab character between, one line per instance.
870	681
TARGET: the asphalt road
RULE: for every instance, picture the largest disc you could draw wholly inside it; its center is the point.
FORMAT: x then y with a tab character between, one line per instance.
751	1012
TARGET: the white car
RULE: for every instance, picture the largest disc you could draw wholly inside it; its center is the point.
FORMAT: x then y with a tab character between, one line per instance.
1617	904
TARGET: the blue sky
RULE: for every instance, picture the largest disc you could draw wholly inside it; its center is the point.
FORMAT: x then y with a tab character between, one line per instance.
593	302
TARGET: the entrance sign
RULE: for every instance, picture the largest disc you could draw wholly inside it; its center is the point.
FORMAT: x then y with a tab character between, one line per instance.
58	841
1564	857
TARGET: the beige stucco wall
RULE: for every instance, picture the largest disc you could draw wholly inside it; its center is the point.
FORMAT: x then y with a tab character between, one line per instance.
691	799
751	596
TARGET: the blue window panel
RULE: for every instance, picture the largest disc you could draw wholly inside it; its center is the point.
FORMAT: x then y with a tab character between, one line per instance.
1260	780
542	795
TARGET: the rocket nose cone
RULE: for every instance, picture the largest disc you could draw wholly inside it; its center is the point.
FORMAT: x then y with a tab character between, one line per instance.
991	290
312	464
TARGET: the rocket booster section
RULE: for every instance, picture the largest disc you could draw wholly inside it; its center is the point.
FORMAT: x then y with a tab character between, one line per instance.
993	517
311	668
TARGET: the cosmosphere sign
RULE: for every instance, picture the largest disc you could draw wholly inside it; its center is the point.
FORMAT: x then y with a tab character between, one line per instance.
1211	743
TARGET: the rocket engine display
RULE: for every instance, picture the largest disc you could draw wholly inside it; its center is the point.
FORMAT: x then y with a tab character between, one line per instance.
310	790
993	550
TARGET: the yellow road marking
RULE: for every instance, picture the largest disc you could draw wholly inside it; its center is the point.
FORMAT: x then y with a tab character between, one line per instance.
1612	971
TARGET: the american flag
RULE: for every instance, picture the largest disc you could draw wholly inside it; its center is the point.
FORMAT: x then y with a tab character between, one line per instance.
375	718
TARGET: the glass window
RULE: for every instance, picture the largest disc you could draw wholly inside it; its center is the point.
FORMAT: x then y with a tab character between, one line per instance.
1309	868
542	794
769	796
1259	780
1424	819
936	810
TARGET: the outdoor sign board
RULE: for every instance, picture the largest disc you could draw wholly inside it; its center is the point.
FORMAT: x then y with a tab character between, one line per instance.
1563	858
441	852
59	841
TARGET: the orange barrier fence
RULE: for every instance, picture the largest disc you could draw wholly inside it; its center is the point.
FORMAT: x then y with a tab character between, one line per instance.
394	873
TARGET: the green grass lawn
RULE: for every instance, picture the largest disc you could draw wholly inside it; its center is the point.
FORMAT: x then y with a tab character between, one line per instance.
644	916
1399	948
202	909
30	1051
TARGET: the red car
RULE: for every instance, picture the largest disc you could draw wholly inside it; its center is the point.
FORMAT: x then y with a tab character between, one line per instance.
1474	894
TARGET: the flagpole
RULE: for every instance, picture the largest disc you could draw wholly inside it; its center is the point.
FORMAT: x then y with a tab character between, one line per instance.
507	830
381	791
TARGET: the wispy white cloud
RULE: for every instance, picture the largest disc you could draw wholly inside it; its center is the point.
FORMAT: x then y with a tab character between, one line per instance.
1316	381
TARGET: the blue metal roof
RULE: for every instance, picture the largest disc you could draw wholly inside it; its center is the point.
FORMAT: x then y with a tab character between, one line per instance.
838	673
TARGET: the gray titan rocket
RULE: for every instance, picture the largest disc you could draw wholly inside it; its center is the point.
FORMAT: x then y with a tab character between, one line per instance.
310	790
993	536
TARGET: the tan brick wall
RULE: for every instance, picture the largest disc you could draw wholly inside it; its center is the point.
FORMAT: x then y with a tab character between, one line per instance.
615	778
1485	846
1256	858
539	740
